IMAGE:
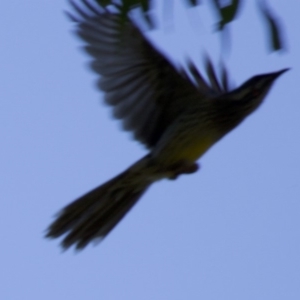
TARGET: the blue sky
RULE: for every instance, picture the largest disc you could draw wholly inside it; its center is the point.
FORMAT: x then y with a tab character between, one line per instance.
231	231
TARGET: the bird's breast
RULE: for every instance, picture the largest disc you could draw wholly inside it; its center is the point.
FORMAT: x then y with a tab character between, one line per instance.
196	148
187	145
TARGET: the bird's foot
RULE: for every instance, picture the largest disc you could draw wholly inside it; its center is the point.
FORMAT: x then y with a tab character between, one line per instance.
183	168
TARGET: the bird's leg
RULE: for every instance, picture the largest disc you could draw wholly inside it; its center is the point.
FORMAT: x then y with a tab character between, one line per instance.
183	167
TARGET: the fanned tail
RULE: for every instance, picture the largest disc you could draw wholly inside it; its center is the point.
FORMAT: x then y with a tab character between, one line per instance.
96	213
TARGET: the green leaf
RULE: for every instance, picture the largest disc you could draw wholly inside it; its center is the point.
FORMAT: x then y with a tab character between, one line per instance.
145	5
104	2
227	13
135	3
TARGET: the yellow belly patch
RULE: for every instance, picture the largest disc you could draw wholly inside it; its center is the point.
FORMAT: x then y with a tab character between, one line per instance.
196	149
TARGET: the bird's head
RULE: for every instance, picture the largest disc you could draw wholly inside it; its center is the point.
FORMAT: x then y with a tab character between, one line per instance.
236	105
256	88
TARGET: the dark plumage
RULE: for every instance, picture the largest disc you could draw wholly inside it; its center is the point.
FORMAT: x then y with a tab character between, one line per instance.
177	115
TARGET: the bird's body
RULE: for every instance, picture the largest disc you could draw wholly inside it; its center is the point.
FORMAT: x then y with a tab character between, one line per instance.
175	144
178	119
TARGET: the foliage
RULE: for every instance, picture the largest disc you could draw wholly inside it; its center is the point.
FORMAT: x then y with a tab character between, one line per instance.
227	13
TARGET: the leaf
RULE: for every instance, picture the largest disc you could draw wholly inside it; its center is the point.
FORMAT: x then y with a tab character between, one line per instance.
104	2
129	4
227	13
145	5
193	2
275	34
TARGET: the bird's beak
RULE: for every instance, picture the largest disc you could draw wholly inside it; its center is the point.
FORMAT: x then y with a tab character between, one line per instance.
278	73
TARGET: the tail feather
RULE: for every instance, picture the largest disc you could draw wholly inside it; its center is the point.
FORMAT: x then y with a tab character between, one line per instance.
95	214
97	227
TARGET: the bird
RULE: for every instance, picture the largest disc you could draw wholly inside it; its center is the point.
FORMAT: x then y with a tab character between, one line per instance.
175	113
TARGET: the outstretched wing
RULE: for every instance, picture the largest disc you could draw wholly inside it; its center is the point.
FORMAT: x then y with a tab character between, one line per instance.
215	86
146	91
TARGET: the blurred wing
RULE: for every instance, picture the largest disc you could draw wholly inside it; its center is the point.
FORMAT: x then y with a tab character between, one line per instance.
144	88
215	85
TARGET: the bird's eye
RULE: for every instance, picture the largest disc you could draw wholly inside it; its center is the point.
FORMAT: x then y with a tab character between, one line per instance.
255	92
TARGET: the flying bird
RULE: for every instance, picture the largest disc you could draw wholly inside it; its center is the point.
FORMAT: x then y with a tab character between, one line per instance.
176	114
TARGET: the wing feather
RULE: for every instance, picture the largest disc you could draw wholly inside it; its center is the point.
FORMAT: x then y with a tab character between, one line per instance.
146	91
